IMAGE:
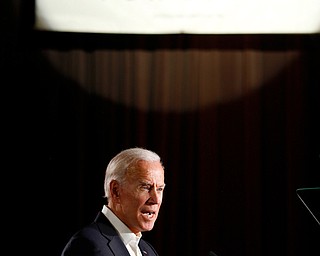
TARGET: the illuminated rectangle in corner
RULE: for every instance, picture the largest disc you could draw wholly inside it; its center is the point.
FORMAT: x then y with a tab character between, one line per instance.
179	16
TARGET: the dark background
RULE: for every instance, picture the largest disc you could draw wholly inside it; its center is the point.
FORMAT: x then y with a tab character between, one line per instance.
231	168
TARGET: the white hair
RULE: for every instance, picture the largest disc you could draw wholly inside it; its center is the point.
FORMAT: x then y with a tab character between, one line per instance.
118	166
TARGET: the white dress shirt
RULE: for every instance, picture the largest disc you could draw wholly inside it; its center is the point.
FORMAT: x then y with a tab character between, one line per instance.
130	239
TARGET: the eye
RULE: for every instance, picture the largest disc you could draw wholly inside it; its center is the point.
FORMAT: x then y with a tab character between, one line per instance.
145	187
160	189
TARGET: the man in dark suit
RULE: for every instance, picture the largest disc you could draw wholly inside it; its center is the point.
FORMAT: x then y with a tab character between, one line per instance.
134	184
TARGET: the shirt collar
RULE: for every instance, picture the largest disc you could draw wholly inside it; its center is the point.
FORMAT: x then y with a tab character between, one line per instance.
125	233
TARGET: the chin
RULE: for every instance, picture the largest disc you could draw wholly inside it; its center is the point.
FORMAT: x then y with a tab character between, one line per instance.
148	227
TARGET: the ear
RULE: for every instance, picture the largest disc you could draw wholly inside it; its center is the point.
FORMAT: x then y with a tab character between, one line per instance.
115	190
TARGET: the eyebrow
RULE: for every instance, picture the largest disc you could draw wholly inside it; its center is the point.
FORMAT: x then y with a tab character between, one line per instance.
144	183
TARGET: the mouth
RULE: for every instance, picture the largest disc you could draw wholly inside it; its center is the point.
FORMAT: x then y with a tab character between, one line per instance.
149	214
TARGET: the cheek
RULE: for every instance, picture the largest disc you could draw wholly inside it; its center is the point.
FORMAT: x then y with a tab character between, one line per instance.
137	199
132	198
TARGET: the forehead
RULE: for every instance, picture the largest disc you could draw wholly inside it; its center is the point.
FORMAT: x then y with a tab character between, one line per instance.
146	170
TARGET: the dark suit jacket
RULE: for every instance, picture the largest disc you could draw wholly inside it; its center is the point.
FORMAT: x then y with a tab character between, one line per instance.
100	238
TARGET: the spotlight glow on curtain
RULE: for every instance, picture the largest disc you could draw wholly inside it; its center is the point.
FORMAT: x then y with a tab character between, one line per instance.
179	16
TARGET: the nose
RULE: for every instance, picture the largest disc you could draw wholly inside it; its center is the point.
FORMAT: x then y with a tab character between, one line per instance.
155	196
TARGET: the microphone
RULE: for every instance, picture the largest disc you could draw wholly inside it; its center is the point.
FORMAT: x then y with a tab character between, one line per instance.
211	253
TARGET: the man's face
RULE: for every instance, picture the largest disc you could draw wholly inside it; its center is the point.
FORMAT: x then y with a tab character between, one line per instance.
140	196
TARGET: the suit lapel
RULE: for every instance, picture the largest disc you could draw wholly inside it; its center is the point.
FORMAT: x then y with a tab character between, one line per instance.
117	246
146	250
114	241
